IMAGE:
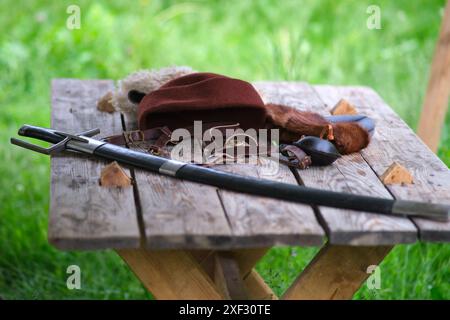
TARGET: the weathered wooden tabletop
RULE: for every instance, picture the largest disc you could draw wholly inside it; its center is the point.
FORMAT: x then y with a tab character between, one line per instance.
164	213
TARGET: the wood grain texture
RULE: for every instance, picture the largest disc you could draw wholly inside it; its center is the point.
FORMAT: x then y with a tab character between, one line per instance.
257	289
436	97
396	174
336	272
227	276
179	214
264	221
343	107
113	175
82	214
170	274
245	258
395	141
349	174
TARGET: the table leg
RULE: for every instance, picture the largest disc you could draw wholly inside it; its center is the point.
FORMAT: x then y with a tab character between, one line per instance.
227	276
170	274
246	259
336	272
257	288
199	274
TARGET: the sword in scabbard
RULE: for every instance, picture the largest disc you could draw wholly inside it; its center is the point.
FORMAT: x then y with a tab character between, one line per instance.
84	143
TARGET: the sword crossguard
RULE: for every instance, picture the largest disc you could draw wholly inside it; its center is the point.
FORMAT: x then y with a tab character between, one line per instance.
59	138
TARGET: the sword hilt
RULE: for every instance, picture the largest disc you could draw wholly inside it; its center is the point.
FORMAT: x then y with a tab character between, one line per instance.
58	138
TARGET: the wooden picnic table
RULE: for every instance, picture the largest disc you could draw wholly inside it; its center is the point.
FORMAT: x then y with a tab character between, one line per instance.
189	241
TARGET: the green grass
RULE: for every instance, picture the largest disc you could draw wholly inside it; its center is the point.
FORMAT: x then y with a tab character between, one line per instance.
316	41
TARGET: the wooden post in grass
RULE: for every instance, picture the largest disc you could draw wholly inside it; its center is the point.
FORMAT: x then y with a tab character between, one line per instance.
436	97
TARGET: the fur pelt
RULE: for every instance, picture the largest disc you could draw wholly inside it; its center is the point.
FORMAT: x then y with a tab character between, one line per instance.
293	124
144	81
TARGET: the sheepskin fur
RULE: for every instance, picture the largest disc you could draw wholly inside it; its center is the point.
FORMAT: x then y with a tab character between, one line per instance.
144	81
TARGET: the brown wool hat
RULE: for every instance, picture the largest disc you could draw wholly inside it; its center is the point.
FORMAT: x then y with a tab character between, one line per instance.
202	96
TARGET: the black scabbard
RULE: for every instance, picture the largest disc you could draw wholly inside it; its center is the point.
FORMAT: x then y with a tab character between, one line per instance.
238	183
271	189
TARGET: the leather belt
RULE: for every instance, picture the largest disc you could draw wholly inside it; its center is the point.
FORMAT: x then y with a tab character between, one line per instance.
155	140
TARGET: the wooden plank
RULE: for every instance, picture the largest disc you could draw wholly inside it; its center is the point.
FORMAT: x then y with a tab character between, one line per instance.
350	174
436	97
336	272
170	274
82	214
258	221
179	214
395	141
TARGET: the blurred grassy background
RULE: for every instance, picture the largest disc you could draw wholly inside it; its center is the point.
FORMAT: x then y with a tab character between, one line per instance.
323	41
